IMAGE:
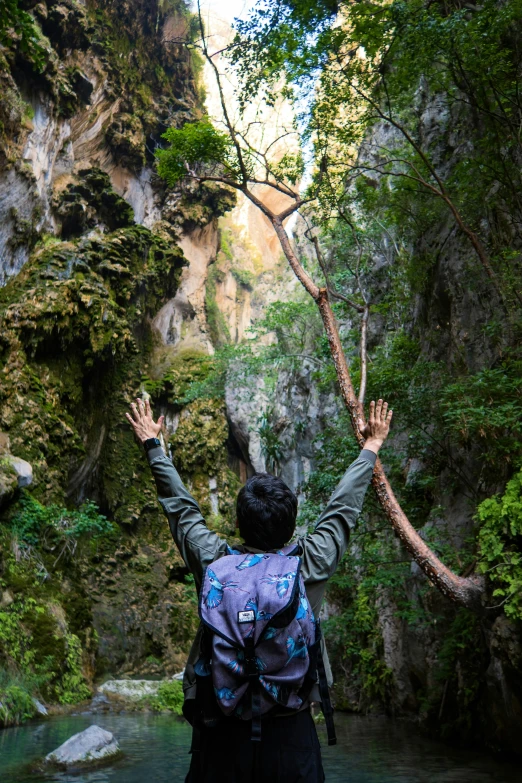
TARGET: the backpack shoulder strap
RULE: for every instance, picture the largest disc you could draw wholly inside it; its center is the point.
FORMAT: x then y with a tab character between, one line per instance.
324	691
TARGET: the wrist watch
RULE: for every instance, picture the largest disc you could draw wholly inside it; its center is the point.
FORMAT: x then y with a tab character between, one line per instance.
151	443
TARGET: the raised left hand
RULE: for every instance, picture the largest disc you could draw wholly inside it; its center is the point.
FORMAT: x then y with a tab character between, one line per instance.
142	422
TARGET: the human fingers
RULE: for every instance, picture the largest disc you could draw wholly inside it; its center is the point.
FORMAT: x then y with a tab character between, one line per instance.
160	422
135	414
371	418
141	406
129	417
378	410
389	417
148	411
384	411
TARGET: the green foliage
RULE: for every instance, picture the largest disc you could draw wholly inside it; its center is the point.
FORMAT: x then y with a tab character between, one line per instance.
33	523
500	534
71	687
353	633
225	245
17	25
486	408
401	373
53	664
217	325
271	446
198	442
461	663
243	277
290	167
169	698
298	331
418	59
191	147
16	700
187	371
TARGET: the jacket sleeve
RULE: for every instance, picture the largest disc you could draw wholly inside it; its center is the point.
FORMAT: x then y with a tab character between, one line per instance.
198	546
324	548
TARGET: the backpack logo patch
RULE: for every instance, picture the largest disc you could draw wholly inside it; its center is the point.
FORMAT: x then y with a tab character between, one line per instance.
248	616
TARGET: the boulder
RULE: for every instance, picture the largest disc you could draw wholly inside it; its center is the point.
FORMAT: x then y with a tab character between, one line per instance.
23	470
40	708
130	690
92	746
14	472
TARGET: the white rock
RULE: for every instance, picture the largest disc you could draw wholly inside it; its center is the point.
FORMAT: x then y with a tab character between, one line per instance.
91	745
23	470
134	690
41	709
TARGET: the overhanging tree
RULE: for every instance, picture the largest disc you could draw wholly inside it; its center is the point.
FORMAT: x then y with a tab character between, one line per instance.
202	153
377	64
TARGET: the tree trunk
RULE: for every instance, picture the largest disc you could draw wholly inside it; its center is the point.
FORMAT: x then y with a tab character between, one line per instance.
464	591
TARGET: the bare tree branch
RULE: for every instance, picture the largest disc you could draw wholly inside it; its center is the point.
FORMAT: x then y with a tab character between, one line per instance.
466	591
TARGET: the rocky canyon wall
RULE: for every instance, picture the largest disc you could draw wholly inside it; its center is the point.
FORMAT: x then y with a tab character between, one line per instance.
115	286
94	257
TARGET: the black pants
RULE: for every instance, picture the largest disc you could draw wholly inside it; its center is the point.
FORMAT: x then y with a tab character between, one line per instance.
289	752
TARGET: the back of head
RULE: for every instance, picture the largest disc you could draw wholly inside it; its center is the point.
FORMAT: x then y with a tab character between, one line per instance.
266	512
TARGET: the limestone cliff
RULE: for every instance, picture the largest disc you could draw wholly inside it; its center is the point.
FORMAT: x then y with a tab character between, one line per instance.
91	253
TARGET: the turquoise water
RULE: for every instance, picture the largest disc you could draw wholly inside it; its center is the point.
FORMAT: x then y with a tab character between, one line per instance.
369	750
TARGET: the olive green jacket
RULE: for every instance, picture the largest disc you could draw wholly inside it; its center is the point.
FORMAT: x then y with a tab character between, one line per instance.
322	550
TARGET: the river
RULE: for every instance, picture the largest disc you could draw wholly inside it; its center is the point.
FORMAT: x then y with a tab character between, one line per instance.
369	750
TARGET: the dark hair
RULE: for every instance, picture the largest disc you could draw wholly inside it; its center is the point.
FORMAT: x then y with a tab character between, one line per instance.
266	512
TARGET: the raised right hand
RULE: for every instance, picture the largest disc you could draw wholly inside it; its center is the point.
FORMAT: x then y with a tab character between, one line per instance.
378	425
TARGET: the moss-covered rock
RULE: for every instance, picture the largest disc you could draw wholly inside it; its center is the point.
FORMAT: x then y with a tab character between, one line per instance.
199	440
42	644
76	347
8	481
74	332
126	138
91	201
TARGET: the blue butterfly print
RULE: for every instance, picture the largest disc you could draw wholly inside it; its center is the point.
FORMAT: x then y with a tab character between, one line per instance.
215	595
303	607
224	694
271	687
251	604
296	649
250	561
231	551
282	582
202	667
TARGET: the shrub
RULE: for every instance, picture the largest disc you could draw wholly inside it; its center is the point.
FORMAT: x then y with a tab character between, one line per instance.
16	701
169	697
35	523
500	533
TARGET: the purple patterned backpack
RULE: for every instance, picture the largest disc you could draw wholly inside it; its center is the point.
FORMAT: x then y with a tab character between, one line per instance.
261	639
